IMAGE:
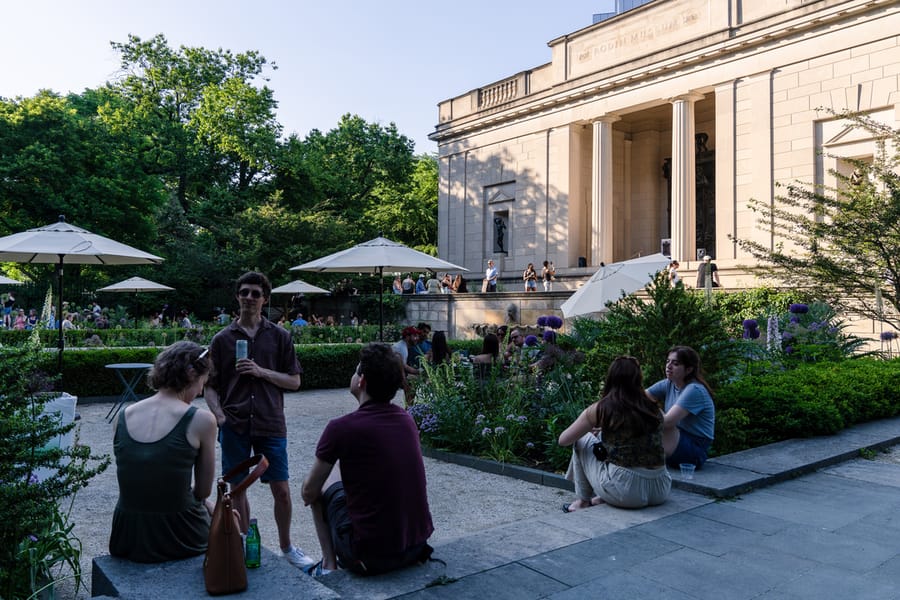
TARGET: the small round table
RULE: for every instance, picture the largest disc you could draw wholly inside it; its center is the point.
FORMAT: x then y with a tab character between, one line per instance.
129	374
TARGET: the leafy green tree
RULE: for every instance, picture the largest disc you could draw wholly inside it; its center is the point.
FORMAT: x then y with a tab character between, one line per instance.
841	243
56	158
411	216
348	171
203	119
646	329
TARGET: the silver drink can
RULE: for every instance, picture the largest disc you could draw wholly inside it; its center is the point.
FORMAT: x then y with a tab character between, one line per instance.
240	350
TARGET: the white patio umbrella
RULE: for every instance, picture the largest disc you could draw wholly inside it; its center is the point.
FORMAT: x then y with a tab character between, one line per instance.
8	281
136	284
611	281
60	243
377	256
299	287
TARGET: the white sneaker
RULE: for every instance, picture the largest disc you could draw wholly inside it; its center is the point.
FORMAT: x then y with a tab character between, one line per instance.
317	570
295	556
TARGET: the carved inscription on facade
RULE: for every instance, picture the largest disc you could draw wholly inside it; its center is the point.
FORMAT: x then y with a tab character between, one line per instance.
605	48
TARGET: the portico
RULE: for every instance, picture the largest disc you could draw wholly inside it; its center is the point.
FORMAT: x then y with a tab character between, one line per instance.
651	130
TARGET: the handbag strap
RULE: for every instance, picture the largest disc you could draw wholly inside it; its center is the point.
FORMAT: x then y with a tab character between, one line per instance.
261	462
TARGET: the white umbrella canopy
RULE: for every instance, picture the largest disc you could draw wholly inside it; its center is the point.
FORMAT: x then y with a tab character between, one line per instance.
49	243
611	281
136	284
377	256
299	287
61	243
8	281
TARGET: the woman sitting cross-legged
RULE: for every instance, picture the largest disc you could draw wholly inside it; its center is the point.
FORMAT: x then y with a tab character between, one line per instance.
627	468
160	443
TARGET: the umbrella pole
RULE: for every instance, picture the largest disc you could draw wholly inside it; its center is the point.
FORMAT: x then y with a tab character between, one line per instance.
381	304
59	316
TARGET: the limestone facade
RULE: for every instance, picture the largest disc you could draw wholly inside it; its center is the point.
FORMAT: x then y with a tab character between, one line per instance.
654	128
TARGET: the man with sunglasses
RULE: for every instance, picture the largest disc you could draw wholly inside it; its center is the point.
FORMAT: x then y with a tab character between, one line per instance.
247	397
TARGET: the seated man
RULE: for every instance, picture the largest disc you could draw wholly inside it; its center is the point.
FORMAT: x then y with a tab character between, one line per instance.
514	347
366	488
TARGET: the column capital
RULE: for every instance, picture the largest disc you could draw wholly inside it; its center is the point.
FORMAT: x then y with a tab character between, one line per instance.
607	118
689	97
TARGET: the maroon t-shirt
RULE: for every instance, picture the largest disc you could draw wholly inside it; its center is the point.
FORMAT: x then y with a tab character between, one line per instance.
383	475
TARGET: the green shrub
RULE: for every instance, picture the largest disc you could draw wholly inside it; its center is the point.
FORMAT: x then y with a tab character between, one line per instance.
813	399
755	303
646	330
504	413
36	542
84	374
327	366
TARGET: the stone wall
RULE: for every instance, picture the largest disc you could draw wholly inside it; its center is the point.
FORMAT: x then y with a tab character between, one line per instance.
459	314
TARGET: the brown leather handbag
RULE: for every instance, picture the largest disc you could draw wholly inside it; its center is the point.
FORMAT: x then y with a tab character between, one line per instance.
223	568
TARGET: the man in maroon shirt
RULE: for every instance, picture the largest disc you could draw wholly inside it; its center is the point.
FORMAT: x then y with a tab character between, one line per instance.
366	488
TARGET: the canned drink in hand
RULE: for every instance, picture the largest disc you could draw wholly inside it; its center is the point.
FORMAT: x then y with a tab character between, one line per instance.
240	350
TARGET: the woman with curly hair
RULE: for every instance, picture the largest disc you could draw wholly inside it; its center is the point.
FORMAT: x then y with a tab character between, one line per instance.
617	450
160	444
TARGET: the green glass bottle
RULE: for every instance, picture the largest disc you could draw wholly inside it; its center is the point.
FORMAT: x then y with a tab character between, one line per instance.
252	551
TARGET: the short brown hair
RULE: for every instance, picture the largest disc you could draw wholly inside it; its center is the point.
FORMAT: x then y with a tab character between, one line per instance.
171	370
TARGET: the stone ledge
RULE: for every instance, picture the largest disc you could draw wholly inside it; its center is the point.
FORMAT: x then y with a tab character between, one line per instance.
276	578
732	474
490	466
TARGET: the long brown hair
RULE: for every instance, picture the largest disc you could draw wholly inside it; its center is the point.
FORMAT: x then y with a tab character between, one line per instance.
689	358
625	404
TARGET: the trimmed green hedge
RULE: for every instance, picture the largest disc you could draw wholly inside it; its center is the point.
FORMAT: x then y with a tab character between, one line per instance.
814	399
325	366
202	334
84	373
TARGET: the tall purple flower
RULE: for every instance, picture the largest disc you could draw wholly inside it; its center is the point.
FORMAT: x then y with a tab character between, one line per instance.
554	322
751	329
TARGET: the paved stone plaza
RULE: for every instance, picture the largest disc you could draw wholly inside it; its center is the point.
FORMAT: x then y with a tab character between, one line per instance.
811	520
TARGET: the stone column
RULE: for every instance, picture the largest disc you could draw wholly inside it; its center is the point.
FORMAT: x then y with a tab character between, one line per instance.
602	191
684	178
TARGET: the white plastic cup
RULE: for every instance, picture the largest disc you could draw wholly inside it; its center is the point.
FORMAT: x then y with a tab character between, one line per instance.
687	470
240	350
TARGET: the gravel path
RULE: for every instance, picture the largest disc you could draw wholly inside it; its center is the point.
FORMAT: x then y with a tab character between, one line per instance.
462	500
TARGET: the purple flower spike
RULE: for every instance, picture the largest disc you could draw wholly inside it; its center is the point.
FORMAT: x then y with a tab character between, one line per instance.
799	309
750	324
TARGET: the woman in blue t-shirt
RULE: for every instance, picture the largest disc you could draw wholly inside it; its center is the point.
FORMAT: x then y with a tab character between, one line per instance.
690	421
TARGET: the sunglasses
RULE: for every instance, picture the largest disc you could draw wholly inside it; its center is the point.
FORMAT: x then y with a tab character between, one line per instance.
247	292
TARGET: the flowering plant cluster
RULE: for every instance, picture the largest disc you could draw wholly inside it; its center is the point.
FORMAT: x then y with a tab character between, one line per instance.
807	333
551	321
888	339
504	413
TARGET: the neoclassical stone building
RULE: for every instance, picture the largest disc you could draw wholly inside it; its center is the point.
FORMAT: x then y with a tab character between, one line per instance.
652	130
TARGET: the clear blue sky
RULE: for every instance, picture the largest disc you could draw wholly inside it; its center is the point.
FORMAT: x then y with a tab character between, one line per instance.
386	61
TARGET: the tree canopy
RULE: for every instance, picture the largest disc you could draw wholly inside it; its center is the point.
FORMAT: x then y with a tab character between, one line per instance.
841	243
181	155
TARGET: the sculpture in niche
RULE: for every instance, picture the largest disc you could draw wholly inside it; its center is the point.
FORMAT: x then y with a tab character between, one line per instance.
499	233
